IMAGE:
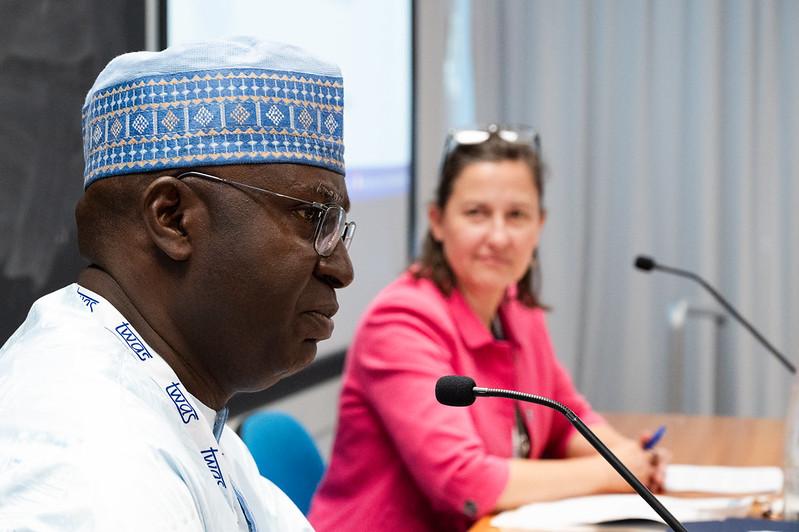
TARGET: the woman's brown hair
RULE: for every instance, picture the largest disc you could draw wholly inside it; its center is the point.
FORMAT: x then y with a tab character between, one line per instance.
432	264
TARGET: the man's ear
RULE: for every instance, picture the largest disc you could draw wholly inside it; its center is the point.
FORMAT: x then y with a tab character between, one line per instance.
171	212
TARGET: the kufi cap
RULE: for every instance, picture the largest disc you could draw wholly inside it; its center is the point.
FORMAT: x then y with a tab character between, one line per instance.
236	101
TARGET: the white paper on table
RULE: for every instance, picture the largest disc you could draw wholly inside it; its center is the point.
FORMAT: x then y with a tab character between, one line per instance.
596	509
725	480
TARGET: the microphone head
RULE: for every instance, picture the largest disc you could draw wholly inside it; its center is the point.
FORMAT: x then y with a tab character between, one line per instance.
642	262
455	390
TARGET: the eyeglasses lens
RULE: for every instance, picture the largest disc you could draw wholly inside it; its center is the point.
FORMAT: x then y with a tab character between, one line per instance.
330	230
470	136
509	136
349	233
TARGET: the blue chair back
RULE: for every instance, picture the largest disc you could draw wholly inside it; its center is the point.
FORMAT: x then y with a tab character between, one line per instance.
285	454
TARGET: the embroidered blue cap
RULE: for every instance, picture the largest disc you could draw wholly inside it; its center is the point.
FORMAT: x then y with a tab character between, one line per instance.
242	100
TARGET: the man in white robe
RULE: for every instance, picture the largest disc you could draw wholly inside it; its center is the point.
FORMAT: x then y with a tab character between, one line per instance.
214	221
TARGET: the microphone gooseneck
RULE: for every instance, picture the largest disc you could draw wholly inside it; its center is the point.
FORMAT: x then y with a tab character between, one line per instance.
647	263
454	390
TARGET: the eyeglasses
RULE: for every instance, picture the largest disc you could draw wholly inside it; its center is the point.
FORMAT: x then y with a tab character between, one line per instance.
523	135
331	219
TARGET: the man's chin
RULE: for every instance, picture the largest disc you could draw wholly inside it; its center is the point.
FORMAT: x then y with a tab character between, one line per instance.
301	358
307	354
304	357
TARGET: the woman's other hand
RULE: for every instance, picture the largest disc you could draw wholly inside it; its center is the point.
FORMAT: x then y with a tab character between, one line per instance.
648	466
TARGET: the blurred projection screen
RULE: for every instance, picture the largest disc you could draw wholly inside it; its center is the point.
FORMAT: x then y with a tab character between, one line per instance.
372	43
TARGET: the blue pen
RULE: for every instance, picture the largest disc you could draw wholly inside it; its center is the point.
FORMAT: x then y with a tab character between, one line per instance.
655	437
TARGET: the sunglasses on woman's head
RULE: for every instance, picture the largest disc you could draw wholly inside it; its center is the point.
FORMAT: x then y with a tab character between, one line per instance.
472	136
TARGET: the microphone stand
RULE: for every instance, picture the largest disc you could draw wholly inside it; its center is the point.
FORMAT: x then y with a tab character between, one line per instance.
650	264
601	448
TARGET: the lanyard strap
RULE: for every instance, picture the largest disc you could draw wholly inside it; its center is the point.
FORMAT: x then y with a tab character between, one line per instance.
186	411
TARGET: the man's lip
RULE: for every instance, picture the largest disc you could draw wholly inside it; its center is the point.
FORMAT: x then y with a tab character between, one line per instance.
322	325
327	311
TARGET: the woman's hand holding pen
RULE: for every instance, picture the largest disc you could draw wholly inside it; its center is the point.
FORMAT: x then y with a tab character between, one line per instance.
644	457
643	464
646	461
659	457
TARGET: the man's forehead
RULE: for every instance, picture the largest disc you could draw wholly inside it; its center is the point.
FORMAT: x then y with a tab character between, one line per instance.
303	181
330	193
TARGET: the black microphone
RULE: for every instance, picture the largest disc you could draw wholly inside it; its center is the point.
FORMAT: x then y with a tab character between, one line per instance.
648	264
456	390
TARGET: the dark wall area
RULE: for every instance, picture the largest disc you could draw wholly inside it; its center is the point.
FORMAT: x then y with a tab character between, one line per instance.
50	53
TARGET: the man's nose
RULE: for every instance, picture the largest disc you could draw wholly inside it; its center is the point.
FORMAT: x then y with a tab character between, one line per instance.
336	270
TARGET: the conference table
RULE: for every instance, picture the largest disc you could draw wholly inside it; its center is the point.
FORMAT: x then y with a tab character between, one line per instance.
699	440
